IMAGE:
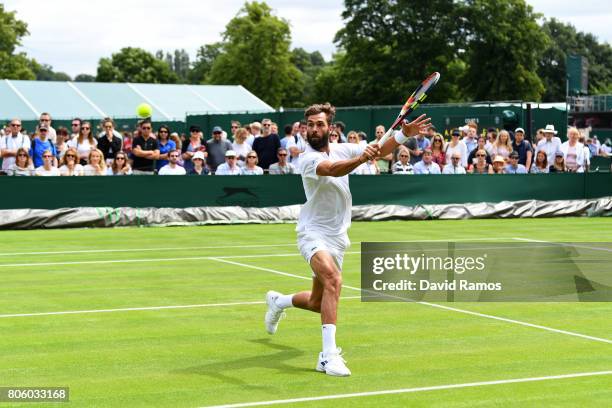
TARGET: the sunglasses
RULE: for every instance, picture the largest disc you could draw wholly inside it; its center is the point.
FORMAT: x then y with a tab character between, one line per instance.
75	124
251	157
117	158
404	155
163	131
43	130
22	155
456	158
15	125
267	124
481	155
146	128
45	120
70	156
85	128
282	154
234	127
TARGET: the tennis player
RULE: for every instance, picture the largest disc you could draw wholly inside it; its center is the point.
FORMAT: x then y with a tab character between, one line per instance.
323	224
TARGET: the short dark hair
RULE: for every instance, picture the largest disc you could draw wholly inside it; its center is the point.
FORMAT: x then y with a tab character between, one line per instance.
79	119
288	129
145	121
194	128
327	108
341	125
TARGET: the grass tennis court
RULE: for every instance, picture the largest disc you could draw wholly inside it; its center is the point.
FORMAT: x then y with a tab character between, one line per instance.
66	285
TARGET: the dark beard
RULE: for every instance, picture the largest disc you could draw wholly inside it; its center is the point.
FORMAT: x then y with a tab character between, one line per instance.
318	143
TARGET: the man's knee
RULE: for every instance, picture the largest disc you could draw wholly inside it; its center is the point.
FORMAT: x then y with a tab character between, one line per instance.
332	282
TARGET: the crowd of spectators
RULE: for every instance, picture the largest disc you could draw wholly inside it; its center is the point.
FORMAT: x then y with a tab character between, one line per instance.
256	149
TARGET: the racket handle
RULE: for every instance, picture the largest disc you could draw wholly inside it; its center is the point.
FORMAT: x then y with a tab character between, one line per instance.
385	137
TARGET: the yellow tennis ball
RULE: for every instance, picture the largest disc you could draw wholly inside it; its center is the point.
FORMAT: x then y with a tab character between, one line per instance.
144	110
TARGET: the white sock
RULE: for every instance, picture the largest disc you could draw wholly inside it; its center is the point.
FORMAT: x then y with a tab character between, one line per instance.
284	301
329	338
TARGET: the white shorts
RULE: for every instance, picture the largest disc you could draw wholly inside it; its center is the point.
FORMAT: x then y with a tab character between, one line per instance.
309	243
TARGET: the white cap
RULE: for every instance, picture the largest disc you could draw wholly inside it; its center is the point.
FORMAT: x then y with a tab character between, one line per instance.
198	155
550	129
519	130
230	153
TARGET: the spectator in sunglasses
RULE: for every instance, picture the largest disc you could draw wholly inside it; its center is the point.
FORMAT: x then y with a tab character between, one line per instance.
84	143
120	165
48	168
166	145
173	168
402	165
480	165
11	142
22	165
251	168
40	145
69	163
282	166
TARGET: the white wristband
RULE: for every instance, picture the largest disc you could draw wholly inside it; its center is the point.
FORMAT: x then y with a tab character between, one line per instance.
400	137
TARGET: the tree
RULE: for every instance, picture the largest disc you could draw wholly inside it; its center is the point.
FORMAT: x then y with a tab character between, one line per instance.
206	56
135	65
563	41
504	45
388	47
13	65
256	55
44	72
84	78
310	64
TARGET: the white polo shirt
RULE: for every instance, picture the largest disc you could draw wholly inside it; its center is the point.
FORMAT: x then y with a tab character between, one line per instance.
9	142
328	199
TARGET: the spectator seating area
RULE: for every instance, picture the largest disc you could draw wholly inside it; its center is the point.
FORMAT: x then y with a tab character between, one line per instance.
261	147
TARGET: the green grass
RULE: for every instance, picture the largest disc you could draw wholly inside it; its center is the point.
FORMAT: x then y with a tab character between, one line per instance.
195	357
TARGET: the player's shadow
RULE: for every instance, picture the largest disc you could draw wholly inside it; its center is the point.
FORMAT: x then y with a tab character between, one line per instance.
276	361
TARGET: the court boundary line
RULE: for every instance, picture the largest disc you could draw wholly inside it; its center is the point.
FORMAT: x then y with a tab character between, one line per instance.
413	390
564	244
449	308
94	251
145	308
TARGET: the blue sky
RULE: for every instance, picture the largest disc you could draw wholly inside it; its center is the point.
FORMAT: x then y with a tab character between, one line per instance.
73	35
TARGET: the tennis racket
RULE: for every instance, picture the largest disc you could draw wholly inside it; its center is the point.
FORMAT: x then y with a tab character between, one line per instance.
418	96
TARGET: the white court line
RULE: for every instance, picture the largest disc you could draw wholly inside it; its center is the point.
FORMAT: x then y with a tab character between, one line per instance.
189	258
411	390
564	244
133	309
449	308
97	251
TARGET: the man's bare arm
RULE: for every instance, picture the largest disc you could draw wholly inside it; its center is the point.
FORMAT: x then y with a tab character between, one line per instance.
344	167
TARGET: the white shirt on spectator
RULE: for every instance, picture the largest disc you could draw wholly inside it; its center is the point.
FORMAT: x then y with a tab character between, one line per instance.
241	149
167	170
578	151
399	168
255	171
367	169
275	168
41	171
84	148
450	169
301	146
328	199
550	147
14	170
224	170
89	170
76	171
422	168
460	148
9	142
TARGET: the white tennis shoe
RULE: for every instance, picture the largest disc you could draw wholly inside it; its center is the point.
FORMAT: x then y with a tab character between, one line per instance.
333	364
274	313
